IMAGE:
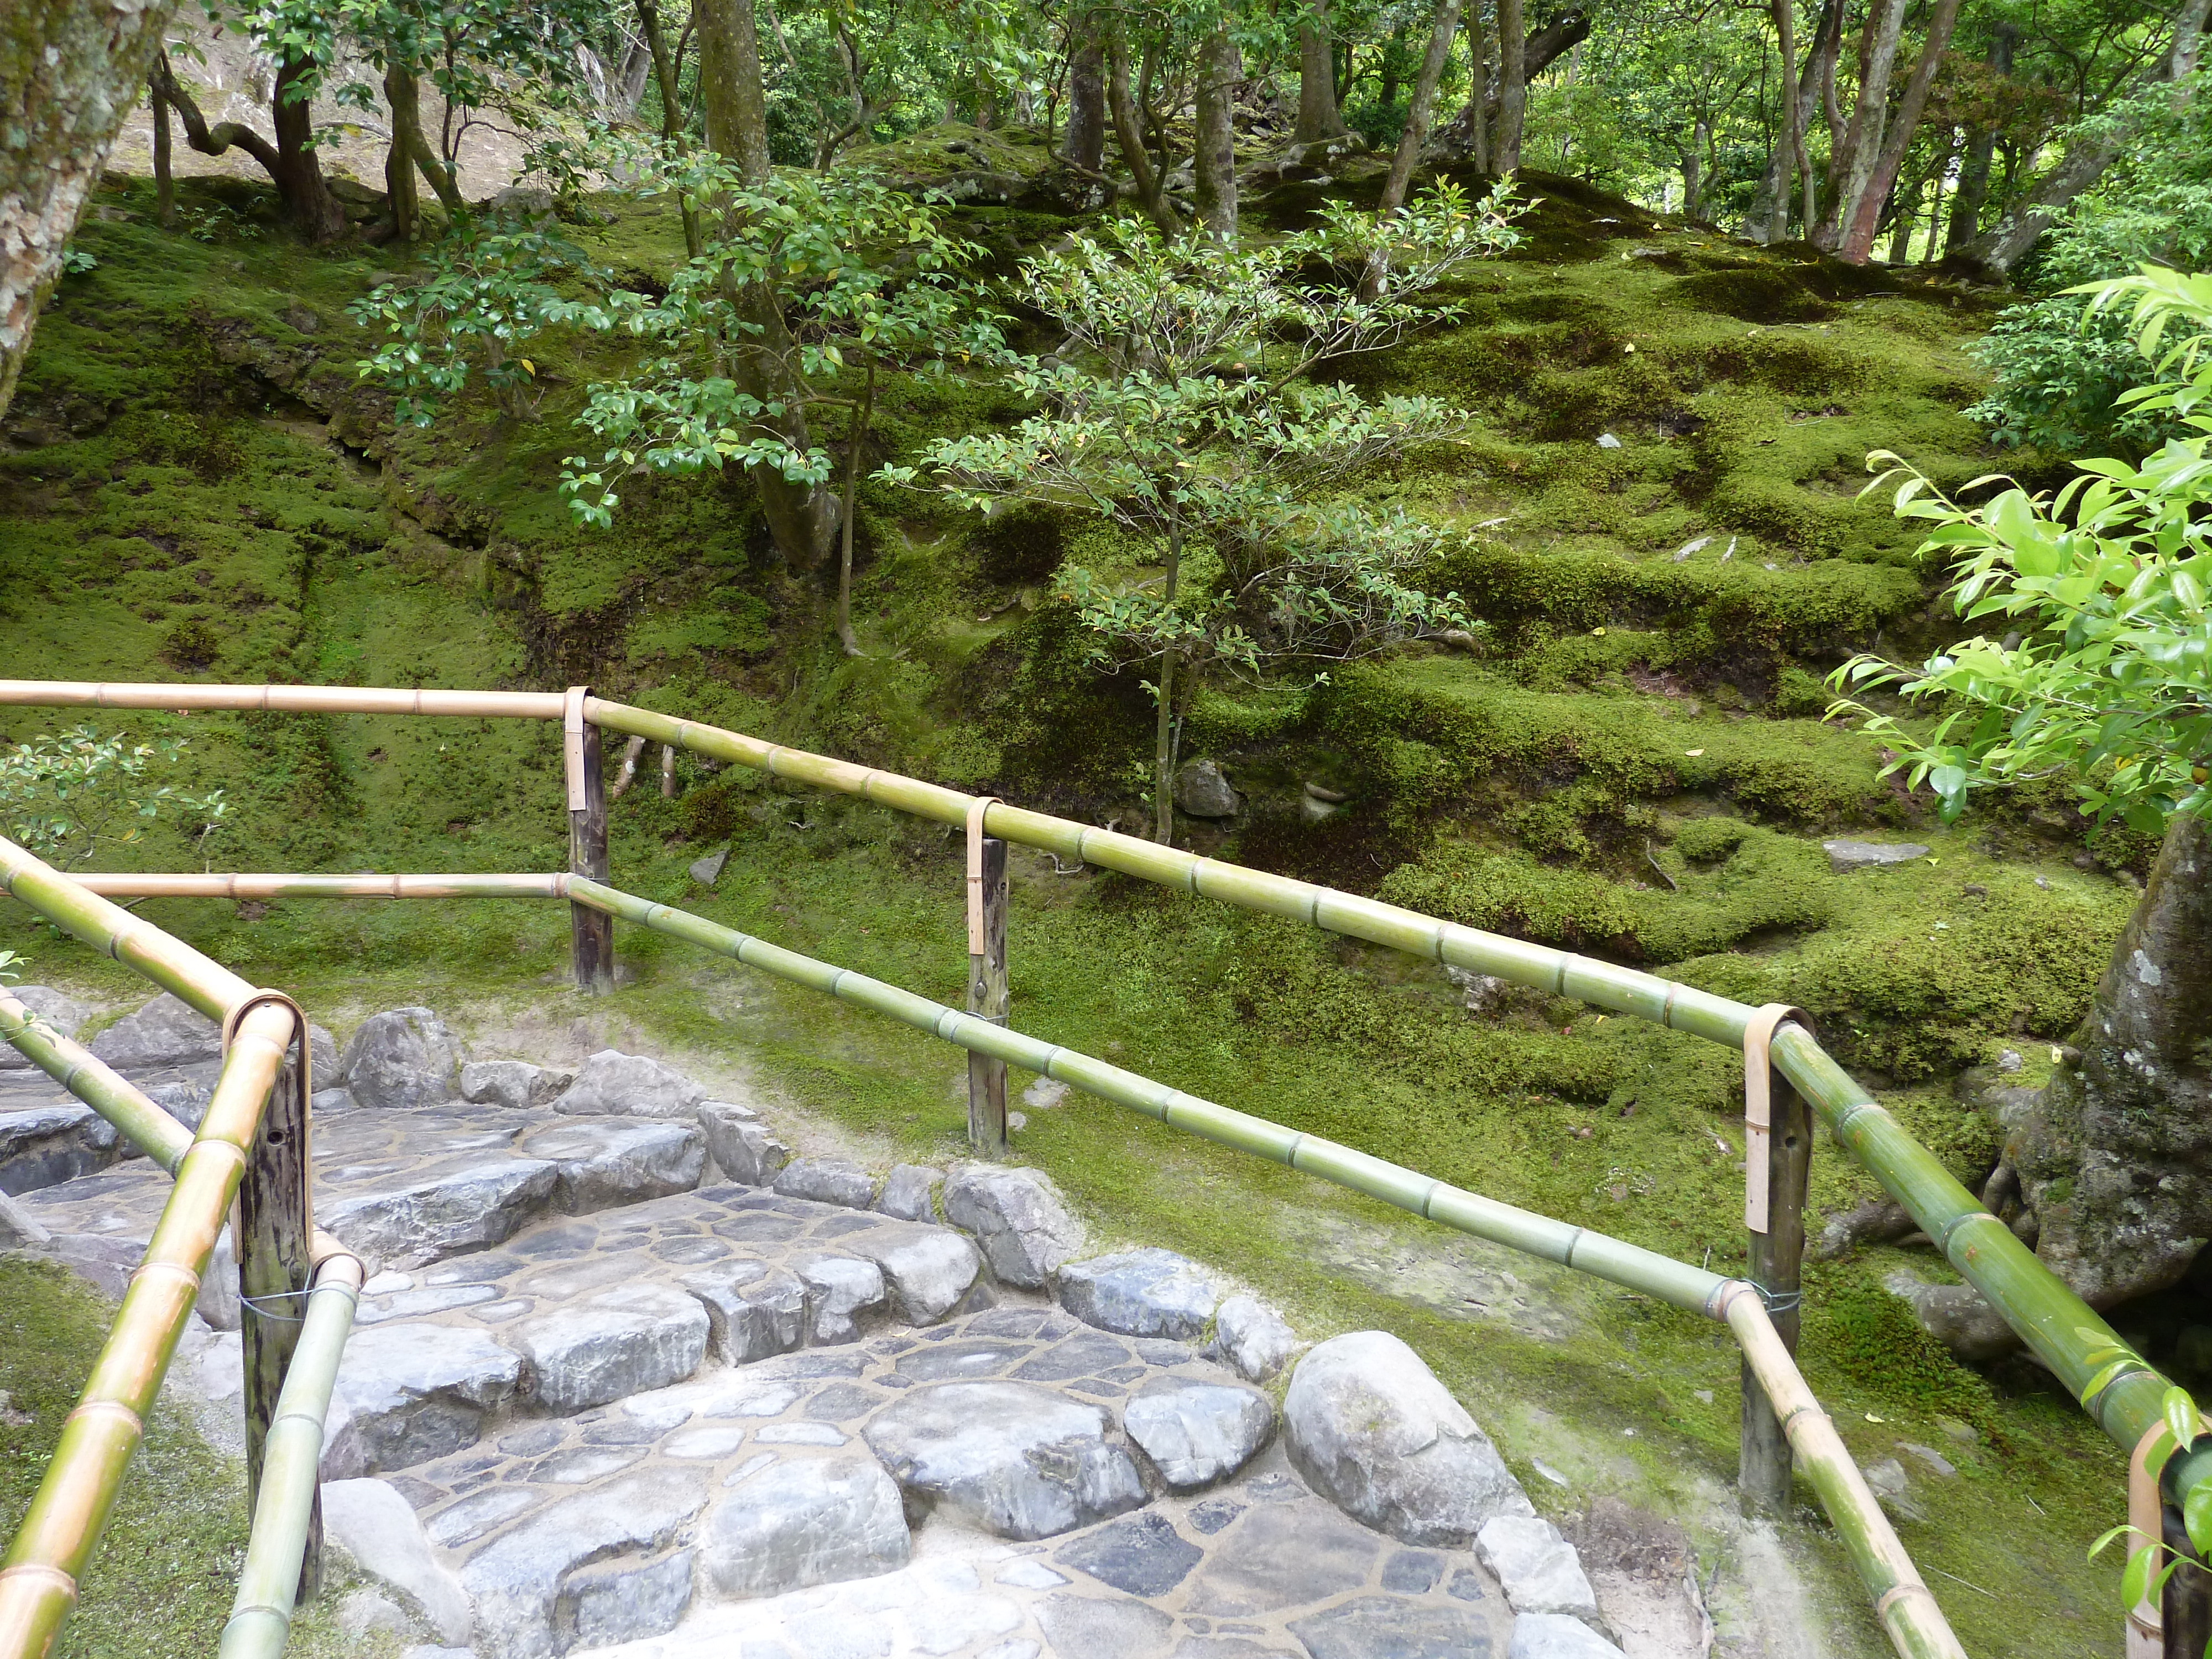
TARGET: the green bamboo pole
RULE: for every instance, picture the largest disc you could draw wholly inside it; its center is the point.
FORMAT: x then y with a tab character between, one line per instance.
2056	1324
45	1561
1910	1614
152	1130
268	1585
1674	1282
171	964
147	884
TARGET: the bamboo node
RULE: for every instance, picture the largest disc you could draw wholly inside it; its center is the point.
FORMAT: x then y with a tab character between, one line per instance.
114	1408
39	1571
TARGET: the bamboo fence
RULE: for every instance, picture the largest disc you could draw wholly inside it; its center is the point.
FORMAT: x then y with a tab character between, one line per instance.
46	1560
2058	1328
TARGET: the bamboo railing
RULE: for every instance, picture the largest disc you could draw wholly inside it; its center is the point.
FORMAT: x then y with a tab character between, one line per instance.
2062	1332
46	1558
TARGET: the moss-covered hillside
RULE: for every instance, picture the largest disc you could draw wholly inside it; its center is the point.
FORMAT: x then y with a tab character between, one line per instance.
1656	512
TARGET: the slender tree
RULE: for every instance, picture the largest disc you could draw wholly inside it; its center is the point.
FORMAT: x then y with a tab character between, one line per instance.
1512	87
1973	191
1220	68
1855	242
1318	115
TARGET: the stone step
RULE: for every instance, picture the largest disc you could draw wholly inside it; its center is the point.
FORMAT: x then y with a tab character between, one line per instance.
575	1313
412	1187
1085	1492
48	1136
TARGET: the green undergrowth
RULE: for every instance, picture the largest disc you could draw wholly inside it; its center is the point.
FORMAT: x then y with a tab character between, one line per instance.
1633	763
169	1561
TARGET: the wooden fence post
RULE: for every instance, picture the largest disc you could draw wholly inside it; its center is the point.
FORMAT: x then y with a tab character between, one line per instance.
1777	1160
271	1234
591	932
988	991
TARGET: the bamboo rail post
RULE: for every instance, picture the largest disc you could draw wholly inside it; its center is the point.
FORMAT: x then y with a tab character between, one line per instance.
989	993
272	1232
1778	1157
591	934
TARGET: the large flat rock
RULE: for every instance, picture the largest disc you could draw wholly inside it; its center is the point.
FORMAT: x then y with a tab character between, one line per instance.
415	1187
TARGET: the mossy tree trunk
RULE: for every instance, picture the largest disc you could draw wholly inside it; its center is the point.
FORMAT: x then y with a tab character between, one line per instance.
70	72
403	201
668	76
802	518
2107	1170
1084	146
1220	68
1512	87
1318	115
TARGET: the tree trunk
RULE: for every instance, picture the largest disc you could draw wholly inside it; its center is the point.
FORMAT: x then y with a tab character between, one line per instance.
1997	252
1318	115
1085	146
802	518
2111	1163
1474	127
291	162
1693	172
1512	85
1852	170
668	76
402	92
402	200
70	72
1151	194
1442	34
1386	75
1789	152
1220	68
1478	97
1163	722
854	445
1974	192
165	179
1858	232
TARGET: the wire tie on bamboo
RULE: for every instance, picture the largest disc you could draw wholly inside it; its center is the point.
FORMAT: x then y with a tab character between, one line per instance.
1758	1110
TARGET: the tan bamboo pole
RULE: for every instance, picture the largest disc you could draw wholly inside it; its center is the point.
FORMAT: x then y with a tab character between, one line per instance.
92	1081
268	1585
290	699
39	1575
1908	1610
149	884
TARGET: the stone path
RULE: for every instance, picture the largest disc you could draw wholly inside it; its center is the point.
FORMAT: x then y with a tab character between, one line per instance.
629	1380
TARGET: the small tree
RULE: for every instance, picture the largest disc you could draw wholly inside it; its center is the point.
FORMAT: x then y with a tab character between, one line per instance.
1180	410
65	797
486	296
867	279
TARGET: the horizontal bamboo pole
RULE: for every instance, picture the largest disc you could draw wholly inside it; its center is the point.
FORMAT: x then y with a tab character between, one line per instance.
2061	1328
291	1459
1671	1281
152	1130
154	885
1908	1611
287	699
44	1564
171	964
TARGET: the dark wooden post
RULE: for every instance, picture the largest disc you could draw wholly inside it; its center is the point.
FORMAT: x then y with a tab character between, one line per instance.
591	932
2186	1611
272	1230
988	991
1777	1160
